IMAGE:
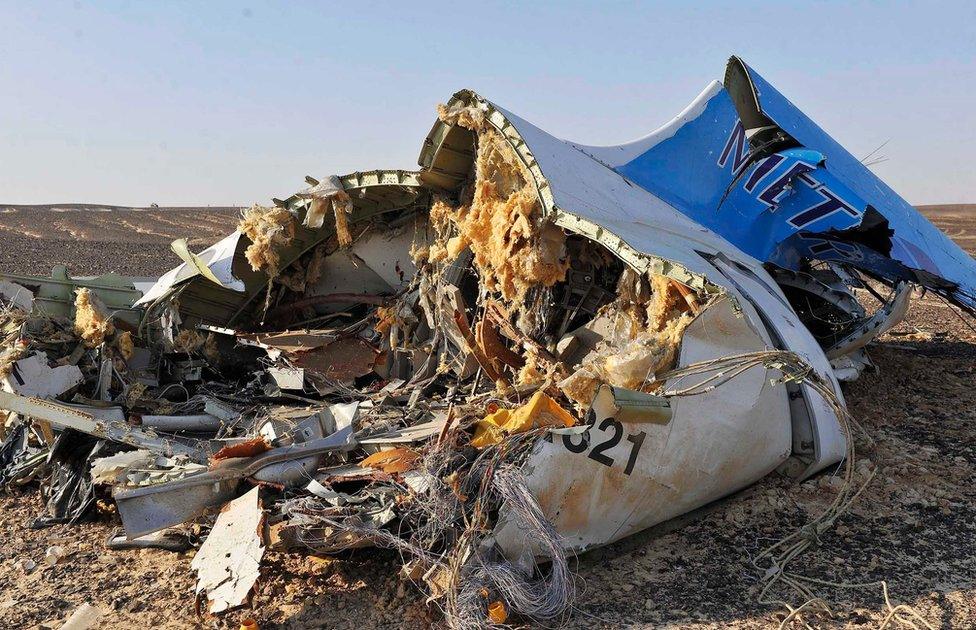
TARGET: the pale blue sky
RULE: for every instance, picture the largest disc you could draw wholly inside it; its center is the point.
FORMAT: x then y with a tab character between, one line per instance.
234	102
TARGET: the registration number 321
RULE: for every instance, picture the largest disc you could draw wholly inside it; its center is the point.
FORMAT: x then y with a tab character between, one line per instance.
614	431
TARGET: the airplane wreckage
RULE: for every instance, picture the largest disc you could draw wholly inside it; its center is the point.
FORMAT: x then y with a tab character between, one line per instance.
526	349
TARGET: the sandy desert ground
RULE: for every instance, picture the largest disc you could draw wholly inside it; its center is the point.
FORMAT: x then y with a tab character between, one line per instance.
914	525
94	240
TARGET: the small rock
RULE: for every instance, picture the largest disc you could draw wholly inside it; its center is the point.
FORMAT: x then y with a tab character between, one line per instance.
54	555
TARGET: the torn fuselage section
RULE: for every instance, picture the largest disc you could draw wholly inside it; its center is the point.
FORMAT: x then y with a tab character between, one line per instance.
745	163
514	353
879	232
283	248
608	477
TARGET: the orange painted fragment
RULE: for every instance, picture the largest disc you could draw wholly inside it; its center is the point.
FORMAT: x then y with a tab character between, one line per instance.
395	460
250	448
689	296
491	346
497	612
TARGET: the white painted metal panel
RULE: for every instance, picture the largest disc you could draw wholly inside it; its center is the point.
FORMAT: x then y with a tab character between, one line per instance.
716	443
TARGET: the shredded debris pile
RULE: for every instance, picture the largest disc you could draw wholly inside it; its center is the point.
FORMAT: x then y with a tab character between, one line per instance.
514	248
92	322
511	356
269	230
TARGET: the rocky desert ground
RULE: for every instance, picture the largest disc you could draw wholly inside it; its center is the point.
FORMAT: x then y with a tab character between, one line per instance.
914	526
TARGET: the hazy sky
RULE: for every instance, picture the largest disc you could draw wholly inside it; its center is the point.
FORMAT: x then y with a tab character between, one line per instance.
233	103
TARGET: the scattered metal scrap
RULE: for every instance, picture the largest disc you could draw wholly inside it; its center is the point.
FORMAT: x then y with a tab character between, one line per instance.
526	349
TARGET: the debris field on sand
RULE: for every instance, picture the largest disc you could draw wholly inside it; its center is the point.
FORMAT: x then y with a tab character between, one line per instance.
525	350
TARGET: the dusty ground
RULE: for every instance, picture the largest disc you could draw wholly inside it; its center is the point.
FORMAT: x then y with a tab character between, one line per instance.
91	241
914	525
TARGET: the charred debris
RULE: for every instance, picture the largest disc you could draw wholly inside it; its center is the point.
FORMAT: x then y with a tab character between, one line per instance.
527	349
